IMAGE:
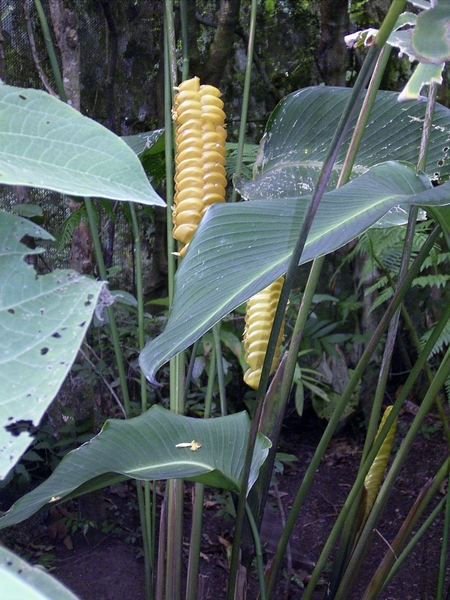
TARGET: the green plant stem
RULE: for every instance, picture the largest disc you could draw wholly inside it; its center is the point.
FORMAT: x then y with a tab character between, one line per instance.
197	509
414	541
112	320
310	212
350	530
174	487
259	554
389	564
444	546
190	370
246	94
175	490
395	10
185	40
220	373
360	368
143	494
51	51
150	528
145	541
362	545
140	298
169	83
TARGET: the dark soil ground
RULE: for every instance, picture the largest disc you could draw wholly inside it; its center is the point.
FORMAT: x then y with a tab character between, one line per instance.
109	565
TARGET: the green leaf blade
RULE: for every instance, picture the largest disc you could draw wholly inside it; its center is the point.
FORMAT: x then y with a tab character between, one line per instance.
257	238
145	448
45	143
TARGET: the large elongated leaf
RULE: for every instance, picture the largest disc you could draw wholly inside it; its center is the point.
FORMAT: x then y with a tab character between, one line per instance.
46	143
145	448
18	579
42	323
300	129
241	248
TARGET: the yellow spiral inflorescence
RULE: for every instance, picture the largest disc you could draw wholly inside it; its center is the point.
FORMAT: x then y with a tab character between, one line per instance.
258	324
200	178
374	477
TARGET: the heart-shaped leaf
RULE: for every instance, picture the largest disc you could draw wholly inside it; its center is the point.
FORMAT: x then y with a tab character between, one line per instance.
47	144
155	445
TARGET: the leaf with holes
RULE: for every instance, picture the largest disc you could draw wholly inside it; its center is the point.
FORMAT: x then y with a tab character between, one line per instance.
43	320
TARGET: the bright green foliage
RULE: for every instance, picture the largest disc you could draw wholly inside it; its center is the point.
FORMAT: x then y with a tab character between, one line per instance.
145	448
46	143
42	323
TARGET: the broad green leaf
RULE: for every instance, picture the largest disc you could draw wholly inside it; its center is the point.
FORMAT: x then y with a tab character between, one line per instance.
300	129
430	37
21	581
43	320
45	143
241	248
145	448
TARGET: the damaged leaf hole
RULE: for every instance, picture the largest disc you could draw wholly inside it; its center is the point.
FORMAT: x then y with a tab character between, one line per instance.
22	426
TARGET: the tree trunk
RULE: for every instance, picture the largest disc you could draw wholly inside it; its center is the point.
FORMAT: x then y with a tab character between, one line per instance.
222	46
332	50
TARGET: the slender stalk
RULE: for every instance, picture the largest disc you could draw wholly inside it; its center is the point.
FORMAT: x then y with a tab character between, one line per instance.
246	94
197	509
143	495
389	563
362	545
112	320
310	212
444	547
350	530
185	40
190	370
169	83
175	488
51	50
363	470
414	541
140	298
145	541
220	373
259	556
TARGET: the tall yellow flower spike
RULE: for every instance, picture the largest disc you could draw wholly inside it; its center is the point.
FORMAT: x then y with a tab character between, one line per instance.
258	324
374	477
200	178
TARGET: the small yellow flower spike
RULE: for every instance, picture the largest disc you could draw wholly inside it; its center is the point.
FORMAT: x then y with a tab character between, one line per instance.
258	325
374	477
200	178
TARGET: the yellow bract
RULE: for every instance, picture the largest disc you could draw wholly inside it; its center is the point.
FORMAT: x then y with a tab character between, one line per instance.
258	324
200	177
374	477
